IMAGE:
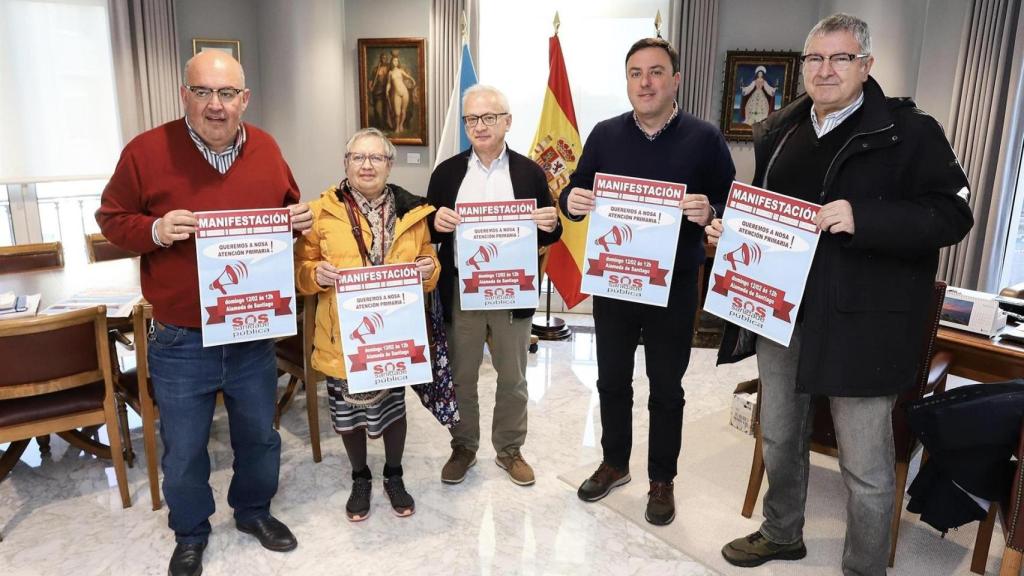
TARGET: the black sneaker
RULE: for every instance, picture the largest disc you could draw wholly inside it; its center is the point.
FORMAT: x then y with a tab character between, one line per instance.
601	483
358	507
755	549
401	502
661	504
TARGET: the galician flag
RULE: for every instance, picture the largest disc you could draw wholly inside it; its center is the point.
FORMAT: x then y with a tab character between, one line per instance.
557	148
453	137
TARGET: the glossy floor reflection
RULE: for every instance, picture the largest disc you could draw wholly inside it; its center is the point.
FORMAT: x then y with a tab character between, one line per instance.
61	514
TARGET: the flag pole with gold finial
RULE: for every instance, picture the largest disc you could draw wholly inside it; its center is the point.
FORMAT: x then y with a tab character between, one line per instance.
657	24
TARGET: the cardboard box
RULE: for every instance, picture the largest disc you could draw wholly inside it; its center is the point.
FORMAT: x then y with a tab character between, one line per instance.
742	416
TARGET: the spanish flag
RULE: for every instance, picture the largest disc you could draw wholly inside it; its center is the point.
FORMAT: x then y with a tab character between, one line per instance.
557	149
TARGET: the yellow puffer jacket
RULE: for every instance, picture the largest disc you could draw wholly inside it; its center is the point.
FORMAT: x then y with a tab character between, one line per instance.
331	239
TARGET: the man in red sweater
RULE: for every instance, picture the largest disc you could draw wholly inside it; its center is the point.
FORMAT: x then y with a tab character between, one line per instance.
208	160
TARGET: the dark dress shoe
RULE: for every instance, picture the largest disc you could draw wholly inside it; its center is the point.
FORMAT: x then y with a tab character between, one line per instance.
271	533
187	560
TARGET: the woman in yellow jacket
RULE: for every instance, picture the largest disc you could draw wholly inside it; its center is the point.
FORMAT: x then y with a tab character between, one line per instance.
394	229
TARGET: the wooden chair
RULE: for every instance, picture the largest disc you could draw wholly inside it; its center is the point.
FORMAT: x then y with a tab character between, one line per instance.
294	356
133	388
56	378
932	370
100	249
1013	525
31	257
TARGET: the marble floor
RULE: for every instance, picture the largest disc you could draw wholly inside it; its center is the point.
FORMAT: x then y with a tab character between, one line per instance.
61	514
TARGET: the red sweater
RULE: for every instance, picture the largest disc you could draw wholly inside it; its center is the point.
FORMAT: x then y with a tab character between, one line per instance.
162	170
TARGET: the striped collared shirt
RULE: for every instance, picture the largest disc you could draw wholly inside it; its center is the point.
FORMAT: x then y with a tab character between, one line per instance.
651	137
836	118
221	161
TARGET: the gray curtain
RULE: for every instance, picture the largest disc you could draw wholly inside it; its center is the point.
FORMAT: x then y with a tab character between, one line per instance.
694	32
444	48
985	130
146	66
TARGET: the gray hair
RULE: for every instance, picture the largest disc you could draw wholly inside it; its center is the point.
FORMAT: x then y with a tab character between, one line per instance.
486	89
372	133
842	23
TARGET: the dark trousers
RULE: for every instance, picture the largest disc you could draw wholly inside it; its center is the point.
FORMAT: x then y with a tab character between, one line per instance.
667	333
186	379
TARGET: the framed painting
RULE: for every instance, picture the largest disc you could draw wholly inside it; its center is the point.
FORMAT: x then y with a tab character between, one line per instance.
392	91
232	47
757	83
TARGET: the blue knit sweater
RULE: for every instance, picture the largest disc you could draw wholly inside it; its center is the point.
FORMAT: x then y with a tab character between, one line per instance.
689	151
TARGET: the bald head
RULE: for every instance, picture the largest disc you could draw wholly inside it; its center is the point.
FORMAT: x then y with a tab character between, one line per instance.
214	97
214	60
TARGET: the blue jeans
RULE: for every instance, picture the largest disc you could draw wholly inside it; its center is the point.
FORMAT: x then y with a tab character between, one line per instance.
866	460
186	379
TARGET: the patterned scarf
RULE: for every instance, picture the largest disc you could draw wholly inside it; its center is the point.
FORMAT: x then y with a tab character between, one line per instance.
380	213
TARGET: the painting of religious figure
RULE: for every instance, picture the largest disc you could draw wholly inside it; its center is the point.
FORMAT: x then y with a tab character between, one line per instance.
392	91
757	83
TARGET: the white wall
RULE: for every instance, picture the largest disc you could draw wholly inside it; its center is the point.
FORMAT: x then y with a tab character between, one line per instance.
939	53
387	19
301	63
224	20
304	98
758	25
915	44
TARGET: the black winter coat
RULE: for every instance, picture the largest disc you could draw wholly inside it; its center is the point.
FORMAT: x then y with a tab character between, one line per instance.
865	306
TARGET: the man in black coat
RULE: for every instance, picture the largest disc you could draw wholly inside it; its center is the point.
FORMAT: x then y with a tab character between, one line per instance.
487	171
892	193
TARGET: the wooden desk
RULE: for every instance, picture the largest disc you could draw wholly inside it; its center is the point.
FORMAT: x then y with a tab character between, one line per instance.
56	284
979	358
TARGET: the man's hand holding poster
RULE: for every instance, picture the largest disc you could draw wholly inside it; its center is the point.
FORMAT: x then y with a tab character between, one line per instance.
246	275
632	238
496	252
762	261
383	327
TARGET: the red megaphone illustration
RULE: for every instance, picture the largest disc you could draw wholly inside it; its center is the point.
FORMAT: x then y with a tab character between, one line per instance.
745	254
484	254
231	275
369	326
619	234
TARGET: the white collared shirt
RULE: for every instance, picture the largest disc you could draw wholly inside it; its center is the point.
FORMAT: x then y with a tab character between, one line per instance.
836	118
487	183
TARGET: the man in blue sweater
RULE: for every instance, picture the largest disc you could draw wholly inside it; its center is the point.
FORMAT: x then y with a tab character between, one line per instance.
658	141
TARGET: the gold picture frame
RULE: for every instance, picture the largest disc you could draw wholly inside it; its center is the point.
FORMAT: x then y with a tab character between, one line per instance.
392	88
232	47
757	82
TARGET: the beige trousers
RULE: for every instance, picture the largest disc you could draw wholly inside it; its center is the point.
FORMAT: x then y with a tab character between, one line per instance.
509	340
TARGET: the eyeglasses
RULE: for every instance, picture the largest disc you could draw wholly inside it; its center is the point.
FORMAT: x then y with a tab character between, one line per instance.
839	62
487	119
375	159
226	95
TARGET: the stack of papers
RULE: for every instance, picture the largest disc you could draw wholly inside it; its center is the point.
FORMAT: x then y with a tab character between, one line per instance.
119	302
21	307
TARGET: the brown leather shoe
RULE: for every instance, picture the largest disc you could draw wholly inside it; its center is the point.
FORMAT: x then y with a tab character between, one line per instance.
461	460
518	470
601	482
661	504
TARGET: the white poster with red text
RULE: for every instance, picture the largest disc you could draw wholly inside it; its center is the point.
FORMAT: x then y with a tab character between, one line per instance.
246	275
383	327
496	253
762	261
632	239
